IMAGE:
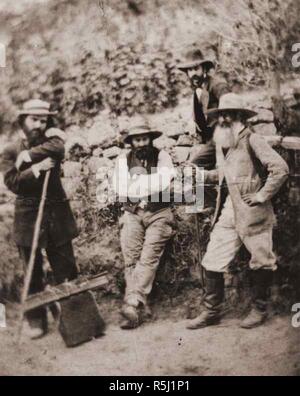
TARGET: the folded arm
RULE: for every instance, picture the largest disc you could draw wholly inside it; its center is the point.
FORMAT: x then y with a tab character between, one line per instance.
15	180
53	147
143	185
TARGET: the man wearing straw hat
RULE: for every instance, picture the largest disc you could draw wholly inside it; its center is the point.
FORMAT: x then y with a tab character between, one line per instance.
142	181
249	172
40	148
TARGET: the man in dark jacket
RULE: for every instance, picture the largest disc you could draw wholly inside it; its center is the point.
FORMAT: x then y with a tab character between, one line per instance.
207	90
39	149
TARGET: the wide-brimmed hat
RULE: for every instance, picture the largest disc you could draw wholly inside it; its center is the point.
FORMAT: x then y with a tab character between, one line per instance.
141	130
205	63
36	107
231	102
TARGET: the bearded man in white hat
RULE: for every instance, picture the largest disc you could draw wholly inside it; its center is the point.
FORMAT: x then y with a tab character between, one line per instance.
244	212
40	148
142	181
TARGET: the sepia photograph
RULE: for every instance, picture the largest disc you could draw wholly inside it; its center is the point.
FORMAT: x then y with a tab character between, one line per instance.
150	190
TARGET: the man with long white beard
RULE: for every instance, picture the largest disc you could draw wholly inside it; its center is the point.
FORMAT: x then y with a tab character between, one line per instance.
245	215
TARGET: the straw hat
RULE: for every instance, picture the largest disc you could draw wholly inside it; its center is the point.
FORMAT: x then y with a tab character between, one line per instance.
231	102
142	130
36	107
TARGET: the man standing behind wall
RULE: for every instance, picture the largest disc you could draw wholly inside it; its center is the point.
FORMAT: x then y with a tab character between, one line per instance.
141	177
207	90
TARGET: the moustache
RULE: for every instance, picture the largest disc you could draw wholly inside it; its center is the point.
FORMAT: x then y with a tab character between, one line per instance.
36	131
225	124
143	153
196	80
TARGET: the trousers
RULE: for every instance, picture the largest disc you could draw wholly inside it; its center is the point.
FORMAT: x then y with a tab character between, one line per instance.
63	264
143	235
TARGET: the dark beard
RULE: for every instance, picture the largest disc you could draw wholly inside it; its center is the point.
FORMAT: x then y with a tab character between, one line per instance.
35	137
144	153
196	82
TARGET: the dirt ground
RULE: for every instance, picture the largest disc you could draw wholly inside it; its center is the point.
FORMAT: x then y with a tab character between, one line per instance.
161	347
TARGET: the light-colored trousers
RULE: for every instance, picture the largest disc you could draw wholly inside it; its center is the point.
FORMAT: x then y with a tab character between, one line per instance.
225	242
143	239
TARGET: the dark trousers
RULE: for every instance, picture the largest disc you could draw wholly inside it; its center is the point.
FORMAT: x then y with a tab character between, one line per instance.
63	264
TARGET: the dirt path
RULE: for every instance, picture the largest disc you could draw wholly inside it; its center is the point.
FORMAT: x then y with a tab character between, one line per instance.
162	348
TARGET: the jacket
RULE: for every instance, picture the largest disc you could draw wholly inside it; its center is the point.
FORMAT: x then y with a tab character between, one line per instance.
237	169
58	224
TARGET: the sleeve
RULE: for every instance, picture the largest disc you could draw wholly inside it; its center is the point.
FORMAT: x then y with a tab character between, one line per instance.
53	147
15	180
159	181
165	164
276	167
141	186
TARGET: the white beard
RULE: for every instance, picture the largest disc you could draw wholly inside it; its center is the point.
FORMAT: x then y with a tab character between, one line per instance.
223	137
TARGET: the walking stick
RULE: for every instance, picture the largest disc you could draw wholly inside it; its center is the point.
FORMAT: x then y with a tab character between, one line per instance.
34	246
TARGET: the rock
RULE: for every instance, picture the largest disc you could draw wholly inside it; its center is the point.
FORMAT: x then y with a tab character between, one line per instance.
97	152
75	141
95	164
185	140
101	135
72	169
112	152
181	153
70	185
265	129
164	142
264	114
175	130
73	130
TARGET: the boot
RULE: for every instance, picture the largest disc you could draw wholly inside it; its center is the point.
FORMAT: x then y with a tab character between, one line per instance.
212	300
261	281
131	317
36	323
33	331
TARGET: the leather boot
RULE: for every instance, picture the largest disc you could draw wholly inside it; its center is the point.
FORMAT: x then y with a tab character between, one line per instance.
261	281
131	317
212	300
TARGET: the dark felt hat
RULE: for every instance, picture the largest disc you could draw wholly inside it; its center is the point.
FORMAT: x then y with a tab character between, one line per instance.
205	63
